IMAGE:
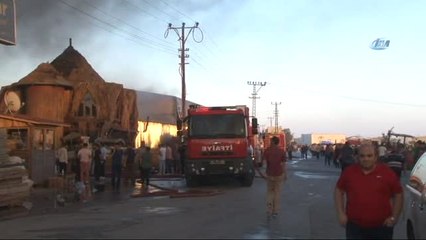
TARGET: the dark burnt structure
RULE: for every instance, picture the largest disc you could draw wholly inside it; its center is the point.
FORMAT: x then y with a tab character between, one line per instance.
64	98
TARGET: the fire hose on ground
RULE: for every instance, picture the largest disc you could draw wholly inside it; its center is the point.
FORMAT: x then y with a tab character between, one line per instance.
174	193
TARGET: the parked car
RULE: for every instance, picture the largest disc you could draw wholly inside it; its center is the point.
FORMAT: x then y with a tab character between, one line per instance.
416	201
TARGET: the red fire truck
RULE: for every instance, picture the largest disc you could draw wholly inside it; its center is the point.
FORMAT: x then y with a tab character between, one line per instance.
216	141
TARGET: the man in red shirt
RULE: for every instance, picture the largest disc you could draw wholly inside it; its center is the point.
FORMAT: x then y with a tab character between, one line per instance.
369	187
276	174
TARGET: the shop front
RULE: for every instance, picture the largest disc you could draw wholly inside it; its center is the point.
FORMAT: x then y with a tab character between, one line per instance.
34	141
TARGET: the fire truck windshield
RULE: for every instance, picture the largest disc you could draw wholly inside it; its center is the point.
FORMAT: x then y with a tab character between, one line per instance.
217	126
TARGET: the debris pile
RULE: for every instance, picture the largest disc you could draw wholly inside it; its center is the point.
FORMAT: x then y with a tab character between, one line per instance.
15	186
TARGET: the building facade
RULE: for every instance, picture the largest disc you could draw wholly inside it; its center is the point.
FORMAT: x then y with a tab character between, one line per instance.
322	138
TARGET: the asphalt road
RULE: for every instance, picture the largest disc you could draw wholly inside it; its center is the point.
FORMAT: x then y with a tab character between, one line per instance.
239	212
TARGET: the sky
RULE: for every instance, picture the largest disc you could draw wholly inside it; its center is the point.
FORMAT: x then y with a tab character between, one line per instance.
314	55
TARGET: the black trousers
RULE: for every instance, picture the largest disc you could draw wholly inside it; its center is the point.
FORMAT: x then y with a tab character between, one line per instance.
99	170
62	168
116	176
354	231
145	175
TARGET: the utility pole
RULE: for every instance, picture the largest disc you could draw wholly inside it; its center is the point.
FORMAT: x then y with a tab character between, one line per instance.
270	121
276	115
183	56
254	94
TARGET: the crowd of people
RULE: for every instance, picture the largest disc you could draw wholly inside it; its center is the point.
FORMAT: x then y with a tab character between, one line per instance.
340	155
123	163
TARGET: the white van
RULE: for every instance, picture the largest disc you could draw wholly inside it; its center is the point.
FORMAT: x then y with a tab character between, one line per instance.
416	201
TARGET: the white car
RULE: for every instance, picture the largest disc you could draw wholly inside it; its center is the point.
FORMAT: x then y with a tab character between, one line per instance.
416	201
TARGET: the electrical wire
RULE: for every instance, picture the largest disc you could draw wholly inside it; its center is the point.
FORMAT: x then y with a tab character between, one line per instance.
177	10
127	24
184	15
187	16
142	10
171	16
115	27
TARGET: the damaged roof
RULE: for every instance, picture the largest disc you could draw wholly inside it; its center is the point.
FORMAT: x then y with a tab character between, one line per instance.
71	64
44	74
158	107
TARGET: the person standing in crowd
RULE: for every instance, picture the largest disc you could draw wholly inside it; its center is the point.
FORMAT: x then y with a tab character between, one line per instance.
104	157
117	165
396	161
418	150
336	155
97	162
182	150
176	156
138	158
169	160
62	155
346	156
374	197
382	151
304	151
130	166
328	155
276	172
85	156
145	159
162	157
290	151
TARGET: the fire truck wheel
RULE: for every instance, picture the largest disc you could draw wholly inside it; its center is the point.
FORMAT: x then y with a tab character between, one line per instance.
191	181
247	180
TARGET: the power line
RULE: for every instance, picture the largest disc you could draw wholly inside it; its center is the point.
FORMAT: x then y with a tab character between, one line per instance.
187	16
199	64
165	44
142	10
173	17
177	10
115	27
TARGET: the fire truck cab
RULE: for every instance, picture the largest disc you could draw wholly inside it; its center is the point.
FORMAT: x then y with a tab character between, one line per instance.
216	141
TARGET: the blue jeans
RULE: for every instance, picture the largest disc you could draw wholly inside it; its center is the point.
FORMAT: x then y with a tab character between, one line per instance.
354	231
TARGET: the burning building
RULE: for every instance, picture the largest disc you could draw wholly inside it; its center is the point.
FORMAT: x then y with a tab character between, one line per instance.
157	117
67	99
58	99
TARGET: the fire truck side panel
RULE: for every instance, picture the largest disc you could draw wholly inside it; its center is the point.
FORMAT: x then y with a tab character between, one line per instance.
217	148
218	157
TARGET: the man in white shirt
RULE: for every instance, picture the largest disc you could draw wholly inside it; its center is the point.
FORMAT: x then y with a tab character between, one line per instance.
382	151
62	155
162	158
85	156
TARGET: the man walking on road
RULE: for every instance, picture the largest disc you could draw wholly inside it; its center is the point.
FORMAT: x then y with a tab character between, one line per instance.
346	156
276	174
369	187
